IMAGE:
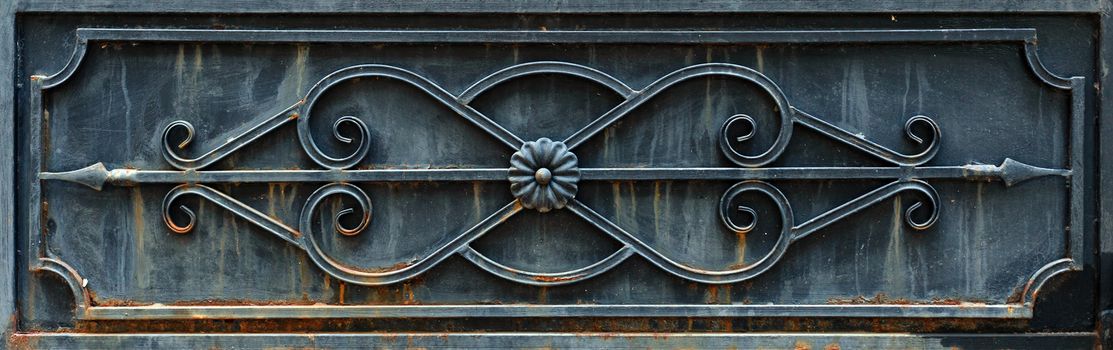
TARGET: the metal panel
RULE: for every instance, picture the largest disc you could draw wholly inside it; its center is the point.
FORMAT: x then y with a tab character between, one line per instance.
559	189
582	173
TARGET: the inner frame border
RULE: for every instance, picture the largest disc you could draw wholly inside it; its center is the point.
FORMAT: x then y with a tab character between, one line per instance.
1022	309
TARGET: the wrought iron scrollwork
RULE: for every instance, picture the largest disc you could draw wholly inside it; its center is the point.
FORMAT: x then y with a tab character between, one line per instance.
544	175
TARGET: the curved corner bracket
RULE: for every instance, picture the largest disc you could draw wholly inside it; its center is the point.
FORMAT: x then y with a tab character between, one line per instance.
78	55
1044	274
1032	56
81	299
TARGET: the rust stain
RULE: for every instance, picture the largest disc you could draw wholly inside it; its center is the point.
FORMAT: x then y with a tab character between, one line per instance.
740	265
517	208
15	341
44	210
240	302
882	299
657	326
408	294
203	302
802	345
554	278
394	267
116	302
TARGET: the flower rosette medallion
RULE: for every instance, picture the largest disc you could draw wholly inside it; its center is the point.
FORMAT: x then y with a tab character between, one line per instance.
543	175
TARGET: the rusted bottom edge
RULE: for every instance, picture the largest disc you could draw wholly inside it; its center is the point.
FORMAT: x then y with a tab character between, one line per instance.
1006	311
560	340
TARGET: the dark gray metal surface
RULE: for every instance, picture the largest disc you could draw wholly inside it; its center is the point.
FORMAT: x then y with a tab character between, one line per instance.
557	173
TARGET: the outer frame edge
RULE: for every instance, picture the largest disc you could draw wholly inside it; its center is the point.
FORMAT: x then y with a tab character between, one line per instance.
558	7
8	315
560	340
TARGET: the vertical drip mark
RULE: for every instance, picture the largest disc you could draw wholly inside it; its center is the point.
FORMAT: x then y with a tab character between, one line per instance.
129	146
656	207
477	200
616	192
895	258
299	68
139	260
632	216
979	242
759	51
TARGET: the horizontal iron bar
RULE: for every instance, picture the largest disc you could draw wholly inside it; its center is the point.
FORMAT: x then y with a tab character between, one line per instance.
124	177
96	175
456	7
970	172
578	36
1016	311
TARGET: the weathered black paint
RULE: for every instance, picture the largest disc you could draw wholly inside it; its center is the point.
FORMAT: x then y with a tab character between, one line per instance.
983	93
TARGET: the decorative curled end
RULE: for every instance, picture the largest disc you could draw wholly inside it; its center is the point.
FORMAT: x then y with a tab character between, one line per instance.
192	218
932	209
363	204
739	128
543	175
362	132
919	119
168	205
920	225
351	231
170	149
932	138
732	221
740	217
342	120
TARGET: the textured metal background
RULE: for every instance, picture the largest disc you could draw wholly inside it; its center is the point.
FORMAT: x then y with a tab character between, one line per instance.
927	172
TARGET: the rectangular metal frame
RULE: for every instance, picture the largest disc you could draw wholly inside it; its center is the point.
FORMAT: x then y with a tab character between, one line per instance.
10	9
1022	309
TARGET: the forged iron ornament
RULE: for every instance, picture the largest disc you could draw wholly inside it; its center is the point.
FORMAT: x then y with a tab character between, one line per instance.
544	175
